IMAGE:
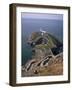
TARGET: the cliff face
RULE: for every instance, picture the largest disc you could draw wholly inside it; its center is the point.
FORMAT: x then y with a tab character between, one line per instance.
47	56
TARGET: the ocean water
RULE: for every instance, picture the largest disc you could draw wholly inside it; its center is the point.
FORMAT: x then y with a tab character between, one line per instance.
54	27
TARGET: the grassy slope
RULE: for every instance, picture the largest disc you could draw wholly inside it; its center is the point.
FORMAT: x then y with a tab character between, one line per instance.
55	67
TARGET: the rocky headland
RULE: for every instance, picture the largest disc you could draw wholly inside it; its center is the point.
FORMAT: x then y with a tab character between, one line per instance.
47	58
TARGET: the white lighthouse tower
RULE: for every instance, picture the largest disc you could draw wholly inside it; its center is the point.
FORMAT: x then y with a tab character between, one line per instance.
42	31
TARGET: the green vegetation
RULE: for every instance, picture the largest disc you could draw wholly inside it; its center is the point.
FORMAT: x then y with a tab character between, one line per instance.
55	40
41	46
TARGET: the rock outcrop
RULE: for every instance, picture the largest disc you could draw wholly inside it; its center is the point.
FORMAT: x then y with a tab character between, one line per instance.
47	66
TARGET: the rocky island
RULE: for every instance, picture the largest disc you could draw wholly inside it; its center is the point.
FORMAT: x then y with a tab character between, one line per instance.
47	55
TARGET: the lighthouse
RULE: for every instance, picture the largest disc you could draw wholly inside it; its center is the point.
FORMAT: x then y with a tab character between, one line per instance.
42	31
